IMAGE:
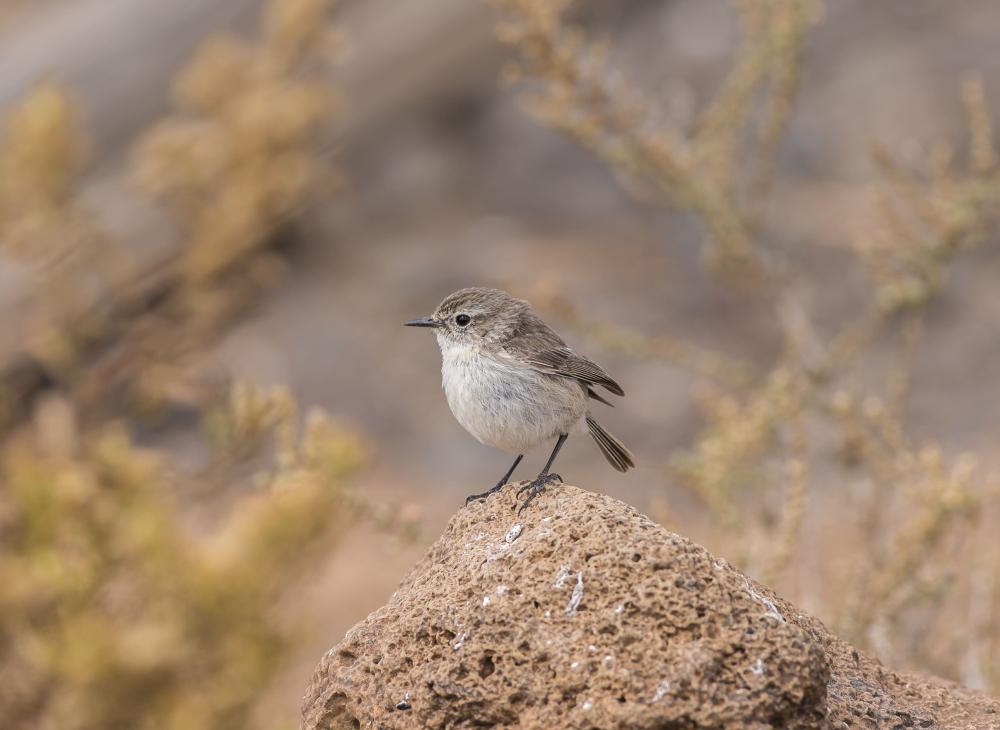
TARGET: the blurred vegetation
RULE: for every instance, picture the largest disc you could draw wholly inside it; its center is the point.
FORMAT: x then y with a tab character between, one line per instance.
123	605
120	608
718	169
806	466
41	157
239	156
929	215
44	226
234	164
118	614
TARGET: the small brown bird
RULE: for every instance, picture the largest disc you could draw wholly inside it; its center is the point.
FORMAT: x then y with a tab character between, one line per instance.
514	384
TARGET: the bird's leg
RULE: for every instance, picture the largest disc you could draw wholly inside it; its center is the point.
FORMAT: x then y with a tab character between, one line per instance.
503	481
544	479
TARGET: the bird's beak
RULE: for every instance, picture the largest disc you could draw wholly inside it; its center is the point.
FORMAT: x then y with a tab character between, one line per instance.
422	322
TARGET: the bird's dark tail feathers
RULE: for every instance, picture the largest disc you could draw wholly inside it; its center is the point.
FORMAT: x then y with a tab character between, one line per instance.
614	450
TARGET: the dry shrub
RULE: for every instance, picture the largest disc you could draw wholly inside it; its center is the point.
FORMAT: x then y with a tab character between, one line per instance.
41	157
715	170
117	613
239	156
929	215
235	163
42	224
125	601
802	476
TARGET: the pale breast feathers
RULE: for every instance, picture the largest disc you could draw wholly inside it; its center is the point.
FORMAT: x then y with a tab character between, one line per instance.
504	403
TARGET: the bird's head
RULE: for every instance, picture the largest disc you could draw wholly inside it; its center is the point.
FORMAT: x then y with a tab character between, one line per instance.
475	317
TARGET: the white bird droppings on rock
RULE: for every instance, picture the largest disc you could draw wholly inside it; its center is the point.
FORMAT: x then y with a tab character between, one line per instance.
486	601
577	596
459	642
561	576
758	667
513	533
661	691
772	610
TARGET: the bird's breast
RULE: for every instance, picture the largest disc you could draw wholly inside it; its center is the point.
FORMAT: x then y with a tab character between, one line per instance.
506	404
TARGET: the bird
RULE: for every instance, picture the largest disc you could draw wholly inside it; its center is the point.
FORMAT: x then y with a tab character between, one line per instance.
514	384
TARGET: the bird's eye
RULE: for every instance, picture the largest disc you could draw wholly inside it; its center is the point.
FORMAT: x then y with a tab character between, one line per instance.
462	320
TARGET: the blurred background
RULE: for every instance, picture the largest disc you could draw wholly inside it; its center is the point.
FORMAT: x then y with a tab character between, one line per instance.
773	222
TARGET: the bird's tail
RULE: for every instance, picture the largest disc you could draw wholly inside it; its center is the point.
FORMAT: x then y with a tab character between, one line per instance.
614	450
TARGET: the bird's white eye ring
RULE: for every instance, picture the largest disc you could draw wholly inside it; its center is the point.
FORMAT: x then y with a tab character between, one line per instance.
462	320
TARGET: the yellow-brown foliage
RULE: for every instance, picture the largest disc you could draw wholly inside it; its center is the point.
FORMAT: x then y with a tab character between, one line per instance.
239	156
118	614
711	170
236	161
118	608
927	216
42	224
41	155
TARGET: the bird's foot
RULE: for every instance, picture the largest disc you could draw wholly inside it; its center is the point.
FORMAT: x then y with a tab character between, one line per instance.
487	493
536	487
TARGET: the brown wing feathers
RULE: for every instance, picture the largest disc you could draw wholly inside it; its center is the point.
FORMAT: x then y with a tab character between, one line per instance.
566	362
536	344
598	397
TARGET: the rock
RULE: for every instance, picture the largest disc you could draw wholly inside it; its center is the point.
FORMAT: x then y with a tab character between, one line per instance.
583	613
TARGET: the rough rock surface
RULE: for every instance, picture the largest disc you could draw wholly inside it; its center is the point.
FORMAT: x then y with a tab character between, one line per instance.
583	613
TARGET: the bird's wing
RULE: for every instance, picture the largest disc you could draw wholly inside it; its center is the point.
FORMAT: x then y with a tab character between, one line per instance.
567	363
598	397
541	348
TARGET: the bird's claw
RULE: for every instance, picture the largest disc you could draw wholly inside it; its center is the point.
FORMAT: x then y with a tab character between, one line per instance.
536	487
484	495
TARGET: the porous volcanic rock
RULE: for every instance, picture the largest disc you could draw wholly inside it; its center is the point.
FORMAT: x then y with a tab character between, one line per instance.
583	613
